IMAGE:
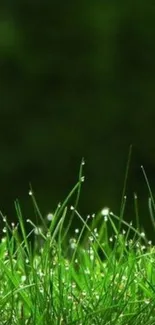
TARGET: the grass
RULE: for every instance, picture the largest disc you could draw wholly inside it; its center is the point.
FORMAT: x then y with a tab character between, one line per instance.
81	277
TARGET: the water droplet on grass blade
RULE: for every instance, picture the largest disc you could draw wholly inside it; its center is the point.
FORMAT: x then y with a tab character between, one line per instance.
105	211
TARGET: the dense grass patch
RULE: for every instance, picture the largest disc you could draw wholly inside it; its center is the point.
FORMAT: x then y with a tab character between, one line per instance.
79	277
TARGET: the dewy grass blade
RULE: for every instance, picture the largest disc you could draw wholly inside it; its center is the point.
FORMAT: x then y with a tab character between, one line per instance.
149	188
136	211
151	212
56	230
19	214
35	204
125	185
78	241
80	181
61	208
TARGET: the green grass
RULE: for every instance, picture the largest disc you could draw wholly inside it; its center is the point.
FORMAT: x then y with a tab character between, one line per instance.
85	276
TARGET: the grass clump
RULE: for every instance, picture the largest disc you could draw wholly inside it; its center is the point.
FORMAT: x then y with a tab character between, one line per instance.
84	277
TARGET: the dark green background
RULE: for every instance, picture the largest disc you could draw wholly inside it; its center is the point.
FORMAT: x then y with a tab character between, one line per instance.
77	79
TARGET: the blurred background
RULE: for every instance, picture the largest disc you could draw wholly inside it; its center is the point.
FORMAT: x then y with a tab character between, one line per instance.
77	79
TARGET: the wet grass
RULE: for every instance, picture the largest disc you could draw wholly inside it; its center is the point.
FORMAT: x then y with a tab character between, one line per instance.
83	276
